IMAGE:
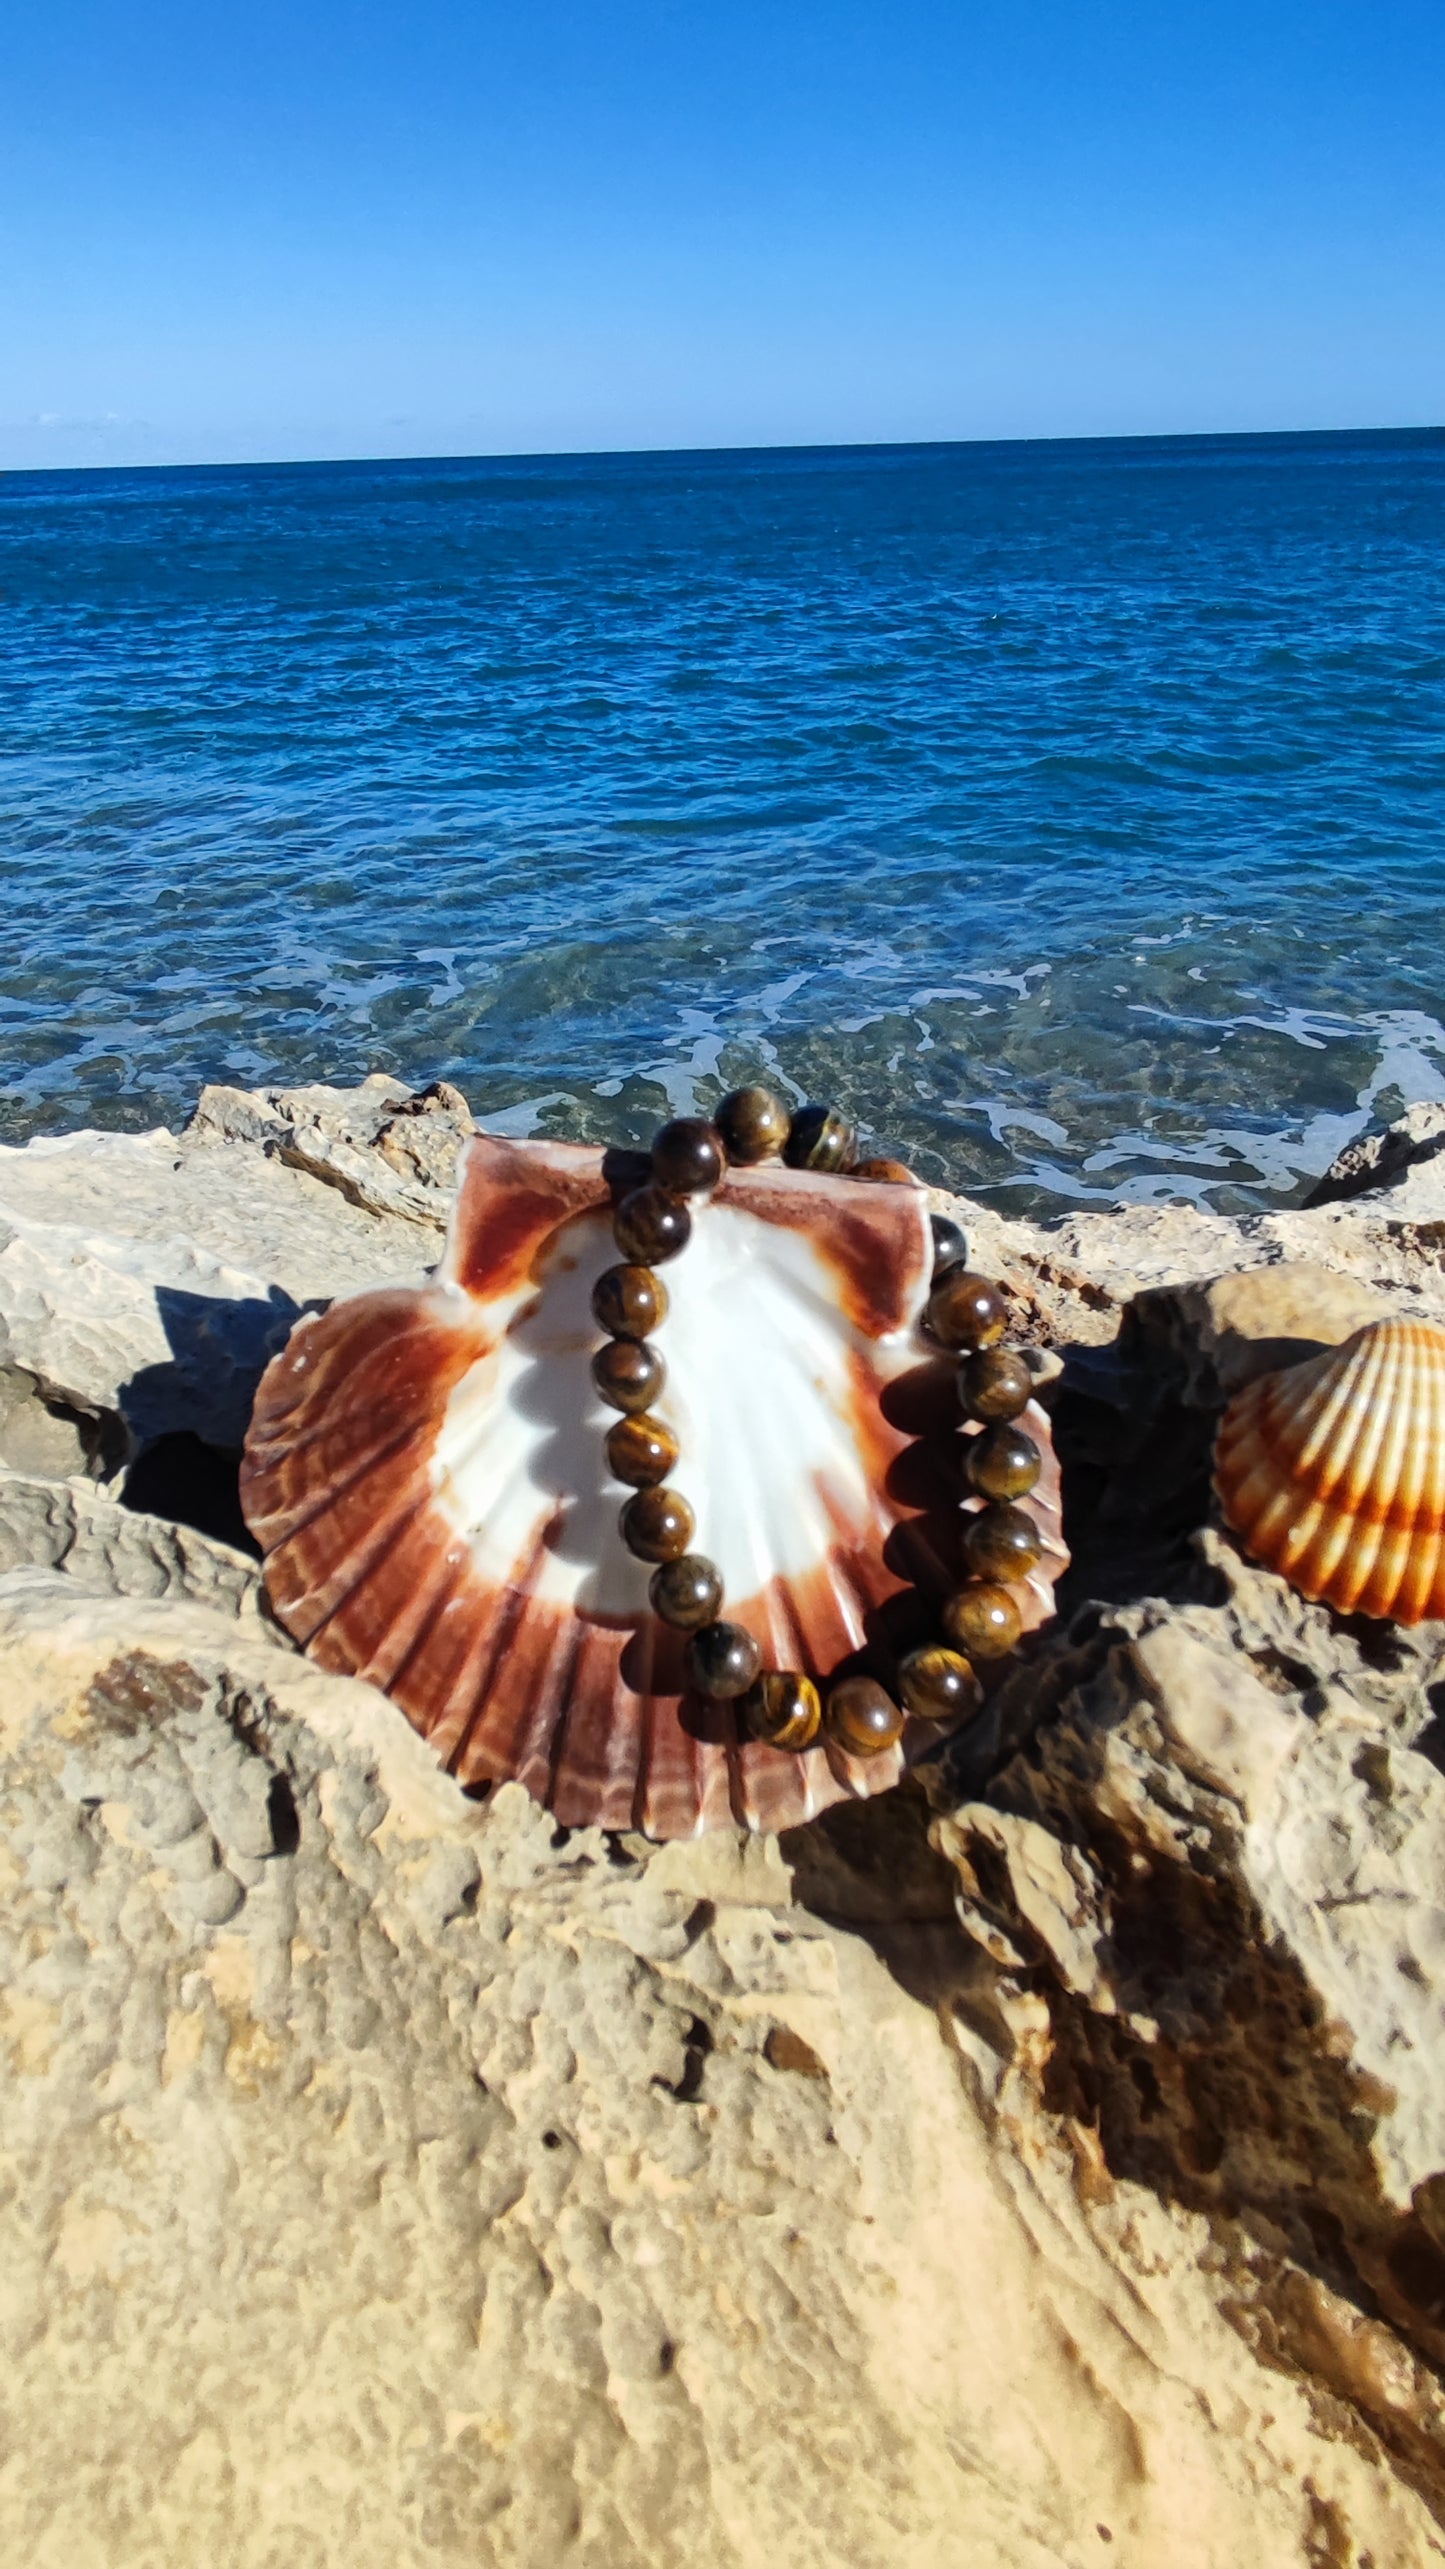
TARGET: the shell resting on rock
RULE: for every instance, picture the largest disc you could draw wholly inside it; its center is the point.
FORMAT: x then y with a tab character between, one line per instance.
1333	1472
425	1473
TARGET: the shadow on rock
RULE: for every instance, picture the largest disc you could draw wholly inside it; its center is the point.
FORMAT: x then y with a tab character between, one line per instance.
1216	1859
188	1416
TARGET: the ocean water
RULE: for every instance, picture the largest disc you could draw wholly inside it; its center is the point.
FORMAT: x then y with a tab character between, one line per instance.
1074	814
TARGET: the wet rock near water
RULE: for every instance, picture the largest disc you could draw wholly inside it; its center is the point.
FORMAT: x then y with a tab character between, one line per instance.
385	1147
1390	1161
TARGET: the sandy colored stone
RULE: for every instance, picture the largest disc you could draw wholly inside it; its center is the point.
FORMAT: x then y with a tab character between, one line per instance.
385	1148
389	2183
1227	1332
145	1279
1220	1866
1399	1159
1069	1281
71	1525
37	1435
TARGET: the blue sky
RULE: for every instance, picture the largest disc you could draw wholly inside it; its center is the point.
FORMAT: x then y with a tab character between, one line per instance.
318	228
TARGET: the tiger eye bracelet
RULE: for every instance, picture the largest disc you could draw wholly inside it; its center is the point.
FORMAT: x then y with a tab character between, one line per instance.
1001	1544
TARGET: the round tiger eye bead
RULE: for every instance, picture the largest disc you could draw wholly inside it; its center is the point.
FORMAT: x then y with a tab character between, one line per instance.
938	1685
687	1156
640	1451
753	1124
657	1525
627	1374
820	1138
983	1620
1003	1463
950	1245
999	1543
862	1717
650	1225
721	1660
783	1709
687	1592
629	1302
994	1385
883	1172
965	1310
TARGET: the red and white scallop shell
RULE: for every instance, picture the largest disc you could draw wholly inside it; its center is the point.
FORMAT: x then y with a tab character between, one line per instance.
1333	1472
425	1473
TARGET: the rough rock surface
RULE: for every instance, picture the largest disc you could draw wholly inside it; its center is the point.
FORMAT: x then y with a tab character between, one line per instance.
145	1279
391	2178
1214	1875
1388	1160
386	1148
1382	1226
1226	1333
388	2183
70	1525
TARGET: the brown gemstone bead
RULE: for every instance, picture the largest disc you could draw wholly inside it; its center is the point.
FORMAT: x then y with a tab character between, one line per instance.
938	1685
686	1593
783	1709
965	1310
629	1302
753	1124
640	1451
950	1245
820	1138
999	1543
1003	1463
657	1525
628	1375
983	1620
722	1660
650	1225
884	1172
687	1156
994	1385
862	1717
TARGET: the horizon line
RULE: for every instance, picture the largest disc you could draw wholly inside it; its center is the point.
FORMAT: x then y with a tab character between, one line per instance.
820	446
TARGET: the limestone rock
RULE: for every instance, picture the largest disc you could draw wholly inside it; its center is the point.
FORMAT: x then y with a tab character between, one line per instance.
1385	1159
145	1280
393	2179
1069	1282
1217	1875
72	1526
385	1148
49	1436
1222	1334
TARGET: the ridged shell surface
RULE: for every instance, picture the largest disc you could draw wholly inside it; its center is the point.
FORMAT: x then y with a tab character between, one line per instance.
426	1474
1333	1472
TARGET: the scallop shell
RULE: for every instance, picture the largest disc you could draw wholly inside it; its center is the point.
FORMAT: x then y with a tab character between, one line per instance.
1333	1472
426	1476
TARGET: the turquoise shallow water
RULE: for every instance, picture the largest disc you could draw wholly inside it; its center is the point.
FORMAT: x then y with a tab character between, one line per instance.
1074	813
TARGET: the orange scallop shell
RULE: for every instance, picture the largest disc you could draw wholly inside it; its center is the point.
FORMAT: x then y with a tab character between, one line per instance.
1333	1472
424	1472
